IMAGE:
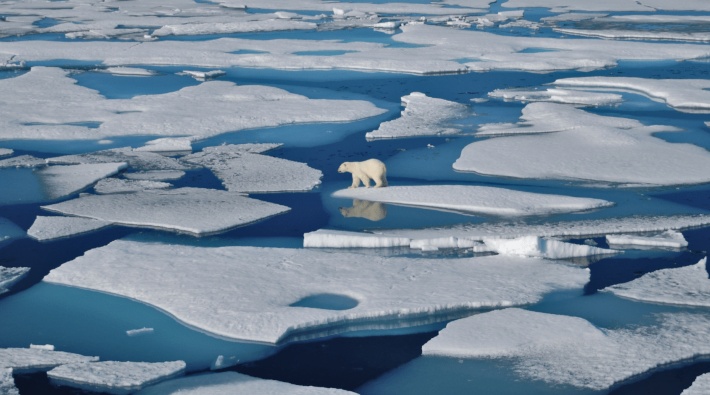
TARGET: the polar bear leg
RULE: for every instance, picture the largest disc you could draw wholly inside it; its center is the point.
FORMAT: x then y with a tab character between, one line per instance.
365	180
356	181
380	182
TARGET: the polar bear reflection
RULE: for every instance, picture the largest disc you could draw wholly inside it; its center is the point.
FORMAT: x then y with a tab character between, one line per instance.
371	169
374	211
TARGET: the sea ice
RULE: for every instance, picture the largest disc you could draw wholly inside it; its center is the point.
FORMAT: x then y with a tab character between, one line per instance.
50	228
60	181
155	175
116	185
139	332
7	382
688	285
638	34
136	159
328	238
233	27
667	239
112	377
195	211
132	71
203	75
22	161
5	152
11	275
243	169
474	199
422	116
586	147
167	144
251	293
533	246
700	386
567	350
560	6
30	360
556	95
229	383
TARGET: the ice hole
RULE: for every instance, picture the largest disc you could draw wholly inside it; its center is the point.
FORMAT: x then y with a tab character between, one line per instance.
327	301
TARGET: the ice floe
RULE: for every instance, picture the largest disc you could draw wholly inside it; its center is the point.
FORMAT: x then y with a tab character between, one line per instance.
22	161
7	382
167	145
422	116
637	34
204	75
233	27
567	350
195	211
667	239
60	181
5	152
116	185
700	386
155	175
132	71
140	332
264	294
50	228
474	199
587	148
559	6
136	160
120	378
688	285
557	95
242	168
30	360
533	246
10	276
228	383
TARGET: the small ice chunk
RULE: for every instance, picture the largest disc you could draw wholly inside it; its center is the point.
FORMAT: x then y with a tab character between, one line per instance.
204	75
701	386
60	181
117	185
7	382
155	175
637	34
132	71
5	152
139	332
22	161
137	160
10	276
667	239
533	246
51	228
687	285
112	377
557	95
30	360
448	242
167	144
230	383
327	238
48	347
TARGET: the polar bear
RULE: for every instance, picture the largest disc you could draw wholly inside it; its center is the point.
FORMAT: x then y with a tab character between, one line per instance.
374	211
365	171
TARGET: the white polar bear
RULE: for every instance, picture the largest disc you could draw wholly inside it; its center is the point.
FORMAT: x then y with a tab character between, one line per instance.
365	171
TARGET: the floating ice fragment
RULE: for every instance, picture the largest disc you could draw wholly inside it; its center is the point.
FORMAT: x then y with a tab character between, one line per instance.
120	378
327	238
700	386
7	382
22	161
5	152
51	228
139	332
253	288
204	75
533	246
194	211
47	347
167	144
687	285
60	181
116	185
556	95
667	239
30	360
155	175
233	27
10	276
136	159
637	35
132	71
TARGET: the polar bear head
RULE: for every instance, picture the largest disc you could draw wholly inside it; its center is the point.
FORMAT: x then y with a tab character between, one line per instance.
344	167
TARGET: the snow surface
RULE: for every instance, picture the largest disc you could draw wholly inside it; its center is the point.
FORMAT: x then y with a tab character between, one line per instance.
167	144
252	289
22	161
533	246
557	95
701	386
474	199
11	275
688	285
50	228
7	382
243	169
569	350
422	116
120	378
195	211
667	239
60	181
116	185
6	152
31	360
155	175
586	147
138	160
229	383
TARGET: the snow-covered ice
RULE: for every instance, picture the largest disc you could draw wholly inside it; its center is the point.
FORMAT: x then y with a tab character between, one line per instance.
117	185
233	27
7	382
242	168
5	152
568	350
638	35
561	6
167	144
256	289
557	95
422	116
329	238
60	181
203	75
700	386
585	147
667	239
688	285
30	360
11	275
120	378
51	228
155	175
195	211
229	383
533	246
136	159
22	161
132	71
474	199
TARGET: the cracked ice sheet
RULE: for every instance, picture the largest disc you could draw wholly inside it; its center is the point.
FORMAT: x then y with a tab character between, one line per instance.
246	292
569	350
116	185
137	160
688	95
10	276
51	228
113	377
31	360
60	181
242	168
559	6
195	211
5	152
667	239
422	116
700	386
438	8
474	199
7	382
229	383
155	175
688	285
556	95
205	110
586	148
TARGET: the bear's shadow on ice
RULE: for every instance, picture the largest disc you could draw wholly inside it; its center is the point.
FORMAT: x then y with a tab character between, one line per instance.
373	211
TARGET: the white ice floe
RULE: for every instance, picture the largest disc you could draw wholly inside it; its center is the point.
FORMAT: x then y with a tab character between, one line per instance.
688	285
571	351
233	27
120	378
60	181
30	360
5	152
585	147
167	144
155	175
422	116
47	347
328	238
136	159
533	246
140	332
51	228
195	211
691	95
22	161
116	185
132	71
667	239
7	382
556	95
558	6
203	75
65	110
229	383
276	295
474	199
700	386
638	34
242	168
10	276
